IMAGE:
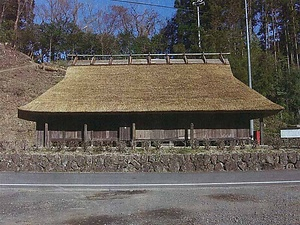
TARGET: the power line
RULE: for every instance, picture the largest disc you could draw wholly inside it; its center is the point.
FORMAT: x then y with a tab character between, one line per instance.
144	3
150	4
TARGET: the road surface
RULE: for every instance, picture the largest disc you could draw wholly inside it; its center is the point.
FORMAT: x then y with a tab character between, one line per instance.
143	198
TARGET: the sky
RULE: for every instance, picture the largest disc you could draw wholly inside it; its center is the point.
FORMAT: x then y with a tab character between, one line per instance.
165	13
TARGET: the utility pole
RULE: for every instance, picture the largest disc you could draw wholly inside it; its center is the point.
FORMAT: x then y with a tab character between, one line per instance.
249	61
198	3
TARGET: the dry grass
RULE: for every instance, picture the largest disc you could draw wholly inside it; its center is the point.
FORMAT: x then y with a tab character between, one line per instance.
151	88
10	58
18	87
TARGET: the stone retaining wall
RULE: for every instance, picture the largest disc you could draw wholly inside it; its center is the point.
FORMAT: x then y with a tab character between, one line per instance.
69	162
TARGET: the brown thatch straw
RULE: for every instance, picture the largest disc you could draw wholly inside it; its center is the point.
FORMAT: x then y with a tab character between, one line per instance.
151	88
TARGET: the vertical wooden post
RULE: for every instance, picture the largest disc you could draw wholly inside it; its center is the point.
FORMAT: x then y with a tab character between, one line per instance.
133	136
185	59
93	60
111	59
75	60
192	136
168	61
186	136
204	58
85	133
46	136
149	59
130	60
222	58
261	128
119	134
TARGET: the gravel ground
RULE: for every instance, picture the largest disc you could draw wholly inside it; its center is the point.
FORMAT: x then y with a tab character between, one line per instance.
232	205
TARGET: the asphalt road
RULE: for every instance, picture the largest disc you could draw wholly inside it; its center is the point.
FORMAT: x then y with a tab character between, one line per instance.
202	198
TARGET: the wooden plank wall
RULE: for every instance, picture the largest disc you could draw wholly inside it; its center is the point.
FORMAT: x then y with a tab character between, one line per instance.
202	134
160	134
125	134
68	136
104	135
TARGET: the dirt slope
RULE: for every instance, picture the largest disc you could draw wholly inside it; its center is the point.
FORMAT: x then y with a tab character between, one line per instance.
21	81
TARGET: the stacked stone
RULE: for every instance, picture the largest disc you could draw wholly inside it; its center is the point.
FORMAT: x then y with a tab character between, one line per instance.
149	162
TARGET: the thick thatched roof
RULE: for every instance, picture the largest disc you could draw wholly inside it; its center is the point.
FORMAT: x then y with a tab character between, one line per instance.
151	88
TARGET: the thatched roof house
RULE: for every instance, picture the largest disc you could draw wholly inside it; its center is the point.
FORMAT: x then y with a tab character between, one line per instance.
148	96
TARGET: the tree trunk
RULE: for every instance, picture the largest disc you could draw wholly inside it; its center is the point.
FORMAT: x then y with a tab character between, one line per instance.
17	16
274	35
50	49
295	35
250	19
287	50
30	14
3	8
265	25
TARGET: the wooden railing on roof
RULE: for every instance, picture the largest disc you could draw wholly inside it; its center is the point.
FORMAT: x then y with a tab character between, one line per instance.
134	59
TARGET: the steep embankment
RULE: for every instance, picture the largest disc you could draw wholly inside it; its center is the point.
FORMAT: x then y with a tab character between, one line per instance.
20	82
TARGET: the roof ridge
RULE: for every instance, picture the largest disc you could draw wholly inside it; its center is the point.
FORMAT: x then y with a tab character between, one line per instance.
149	59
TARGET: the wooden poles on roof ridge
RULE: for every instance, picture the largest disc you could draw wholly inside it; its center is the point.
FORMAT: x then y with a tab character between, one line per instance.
134	59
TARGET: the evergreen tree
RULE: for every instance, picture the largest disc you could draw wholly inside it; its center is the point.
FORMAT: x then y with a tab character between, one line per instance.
275	40
16	16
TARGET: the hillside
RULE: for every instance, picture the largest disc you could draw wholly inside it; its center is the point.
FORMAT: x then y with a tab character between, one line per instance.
21	81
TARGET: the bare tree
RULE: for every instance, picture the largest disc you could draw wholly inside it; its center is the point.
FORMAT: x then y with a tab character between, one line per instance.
20	9
118	19
60	11
24	11
130	20
24	14
145	22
